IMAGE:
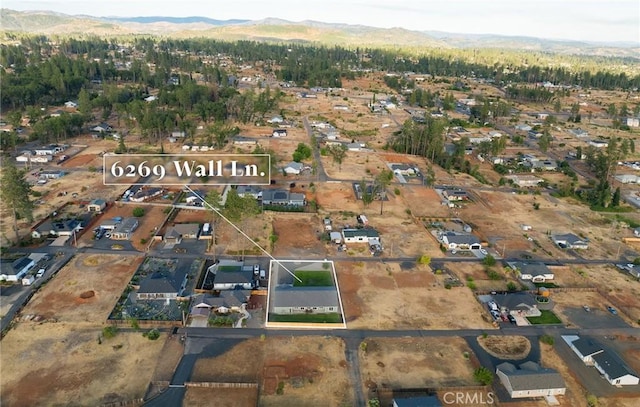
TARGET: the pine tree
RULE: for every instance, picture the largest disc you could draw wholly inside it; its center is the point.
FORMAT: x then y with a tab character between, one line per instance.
14	192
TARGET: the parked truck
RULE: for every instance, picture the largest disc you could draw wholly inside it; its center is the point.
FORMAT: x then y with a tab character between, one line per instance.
28	280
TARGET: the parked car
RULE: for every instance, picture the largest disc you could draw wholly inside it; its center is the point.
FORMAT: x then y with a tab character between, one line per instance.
586	308
612	310
512	319
40	273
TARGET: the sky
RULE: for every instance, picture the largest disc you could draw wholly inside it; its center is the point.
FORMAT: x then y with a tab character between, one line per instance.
583	20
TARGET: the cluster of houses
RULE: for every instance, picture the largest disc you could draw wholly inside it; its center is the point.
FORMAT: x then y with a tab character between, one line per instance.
42	154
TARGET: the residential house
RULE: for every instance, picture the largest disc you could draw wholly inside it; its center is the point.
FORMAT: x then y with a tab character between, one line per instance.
605	360
24	158
110	224
341	107
52	174
544	165
51	149
405	169
461	241
537	272
163	285
176	233
519	304
294	168
96	205
598	143
56	228
178	134
16	270
70	104
627	178
305	300
102	128
145	194
150	99
232	275
254	191
275	119
124	230
354	146
570	241
530	380
57	113
222	301
632	121
632	269
636	232
282	197
585	348
279	133
523	127
580	133
455	195
364	235
524	181
614	369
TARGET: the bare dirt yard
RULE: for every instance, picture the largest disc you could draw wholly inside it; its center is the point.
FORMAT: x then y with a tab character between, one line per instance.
576	394
205	397
298	235
311	371
334	197
475	272
416	362
424	202
384	296
85	290
64	364
506	347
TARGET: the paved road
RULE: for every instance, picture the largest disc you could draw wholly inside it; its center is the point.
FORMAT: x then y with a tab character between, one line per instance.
321	173
352	346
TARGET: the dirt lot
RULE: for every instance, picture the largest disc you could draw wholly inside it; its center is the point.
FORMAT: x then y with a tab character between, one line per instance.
63	364
416	362
72	366
382	296
336	197
99	278
506	347
298	235
424	202
475	271
312	369
204	397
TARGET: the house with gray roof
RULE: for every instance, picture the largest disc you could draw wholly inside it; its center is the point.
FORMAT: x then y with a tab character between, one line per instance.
16	270
223	302
282	197
519	304
301	300
416	401
96	205
614	369
530	380
231	275
163	285
537	272
56	228
604	359
293	168
461	241
249	190
364	235
180	231
570	241
125	229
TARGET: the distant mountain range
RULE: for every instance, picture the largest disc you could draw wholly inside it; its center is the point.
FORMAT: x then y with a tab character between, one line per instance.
273	29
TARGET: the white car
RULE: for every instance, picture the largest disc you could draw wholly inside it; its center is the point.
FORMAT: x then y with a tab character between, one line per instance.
483	251
40	273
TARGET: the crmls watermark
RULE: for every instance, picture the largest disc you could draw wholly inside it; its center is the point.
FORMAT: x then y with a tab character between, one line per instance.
468	398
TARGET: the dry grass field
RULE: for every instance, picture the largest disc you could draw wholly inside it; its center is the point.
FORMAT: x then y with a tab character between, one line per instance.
382	296
416	362
85	290
506	347
312	370
60	359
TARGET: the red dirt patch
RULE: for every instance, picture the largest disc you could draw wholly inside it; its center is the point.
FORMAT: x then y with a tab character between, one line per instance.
351	302
79	160
303	367
87	294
